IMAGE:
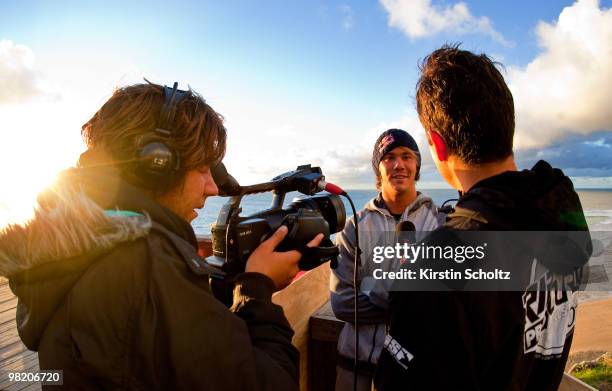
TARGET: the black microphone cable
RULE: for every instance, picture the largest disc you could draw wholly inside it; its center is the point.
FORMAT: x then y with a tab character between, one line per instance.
331	188
355	291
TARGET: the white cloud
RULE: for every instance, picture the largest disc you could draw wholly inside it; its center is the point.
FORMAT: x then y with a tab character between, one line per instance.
19	79
41	134
598	143
282	132
350	165
567	88
344	160
420	18
347	17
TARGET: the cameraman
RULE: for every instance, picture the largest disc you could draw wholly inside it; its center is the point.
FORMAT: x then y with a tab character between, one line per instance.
110	287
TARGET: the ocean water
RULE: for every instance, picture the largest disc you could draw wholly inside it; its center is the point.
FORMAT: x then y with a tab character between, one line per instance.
597	205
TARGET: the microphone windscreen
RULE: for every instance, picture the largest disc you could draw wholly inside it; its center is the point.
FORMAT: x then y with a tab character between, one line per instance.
406	232
405	226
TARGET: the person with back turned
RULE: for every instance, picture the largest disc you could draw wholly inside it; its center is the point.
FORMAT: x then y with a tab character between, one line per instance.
493	340
111	289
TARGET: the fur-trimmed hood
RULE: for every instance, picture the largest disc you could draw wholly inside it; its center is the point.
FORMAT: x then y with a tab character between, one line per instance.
86	214
72	227
46	257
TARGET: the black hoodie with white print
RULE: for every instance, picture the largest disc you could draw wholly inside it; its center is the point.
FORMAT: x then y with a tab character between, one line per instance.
494	340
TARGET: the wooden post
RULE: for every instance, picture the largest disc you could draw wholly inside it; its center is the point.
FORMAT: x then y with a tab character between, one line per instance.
300	300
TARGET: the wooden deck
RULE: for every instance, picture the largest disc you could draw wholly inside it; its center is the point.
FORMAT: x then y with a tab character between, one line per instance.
14	356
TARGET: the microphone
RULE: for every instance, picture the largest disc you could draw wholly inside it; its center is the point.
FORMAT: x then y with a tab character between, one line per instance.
406	232
227	184
405	226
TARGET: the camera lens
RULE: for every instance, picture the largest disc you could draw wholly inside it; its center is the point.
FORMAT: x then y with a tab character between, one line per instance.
329	205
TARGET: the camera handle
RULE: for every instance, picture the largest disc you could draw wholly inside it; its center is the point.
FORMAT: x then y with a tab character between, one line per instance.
314	256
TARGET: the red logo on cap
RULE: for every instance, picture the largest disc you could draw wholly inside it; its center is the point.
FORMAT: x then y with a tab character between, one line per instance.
388	139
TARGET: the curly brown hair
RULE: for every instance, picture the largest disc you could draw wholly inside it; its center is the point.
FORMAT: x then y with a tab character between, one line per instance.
464	98
198	134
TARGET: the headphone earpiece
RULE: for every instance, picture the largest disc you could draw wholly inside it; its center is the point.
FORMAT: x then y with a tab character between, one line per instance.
155	161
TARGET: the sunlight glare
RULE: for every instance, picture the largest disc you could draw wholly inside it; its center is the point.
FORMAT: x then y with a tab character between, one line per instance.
39	140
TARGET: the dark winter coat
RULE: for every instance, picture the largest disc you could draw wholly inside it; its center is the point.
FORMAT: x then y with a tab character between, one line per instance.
111	292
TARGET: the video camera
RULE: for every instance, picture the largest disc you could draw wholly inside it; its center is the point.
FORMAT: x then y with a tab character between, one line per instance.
234	237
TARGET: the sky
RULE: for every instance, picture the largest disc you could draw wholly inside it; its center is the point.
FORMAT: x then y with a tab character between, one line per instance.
302	81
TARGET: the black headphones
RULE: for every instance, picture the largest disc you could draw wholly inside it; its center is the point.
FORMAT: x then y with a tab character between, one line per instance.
155	161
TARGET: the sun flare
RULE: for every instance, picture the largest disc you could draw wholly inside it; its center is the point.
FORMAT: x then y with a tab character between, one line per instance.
35	148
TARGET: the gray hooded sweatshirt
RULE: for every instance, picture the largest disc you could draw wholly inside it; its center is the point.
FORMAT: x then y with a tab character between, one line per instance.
376	227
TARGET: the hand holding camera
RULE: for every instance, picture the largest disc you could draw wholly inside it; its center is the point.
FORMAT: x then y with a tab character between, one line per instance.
281	267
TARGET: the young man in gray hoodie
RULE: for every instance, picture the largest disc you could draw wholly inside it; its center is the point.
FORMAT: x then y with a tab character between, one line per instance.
396	162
